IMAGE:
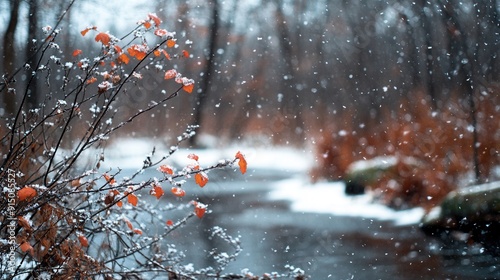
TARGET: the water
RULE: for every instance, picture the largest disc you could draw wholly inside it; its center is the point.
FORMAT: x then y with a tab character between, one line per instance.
324	246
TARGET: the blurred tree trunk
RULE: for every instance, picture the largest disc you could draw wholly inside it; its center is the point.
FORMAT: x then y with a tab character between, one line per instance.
495	65
467	60
237	119
323	104
412	50
291	110
488	24
209	70
31	54
428	49
363	102
9	55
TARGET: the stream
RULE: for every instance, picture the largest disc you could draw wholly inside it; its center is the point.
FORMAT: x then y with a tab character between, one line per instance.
324	246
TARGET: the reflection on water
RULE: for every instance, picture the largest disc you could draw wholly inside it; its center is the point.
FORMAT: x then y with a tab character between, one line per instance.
325	246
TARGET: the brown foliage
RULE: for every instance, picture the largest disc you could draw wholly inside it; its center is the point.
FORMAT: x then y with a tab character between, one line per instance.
440	141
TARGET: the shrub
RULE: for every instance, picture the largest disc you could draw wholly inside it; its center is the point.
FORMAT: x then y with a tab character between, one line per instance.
440	142
63	217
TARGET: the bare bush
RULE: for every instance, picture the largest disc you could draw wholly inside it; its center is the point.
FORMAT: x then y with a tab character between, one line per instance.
63	216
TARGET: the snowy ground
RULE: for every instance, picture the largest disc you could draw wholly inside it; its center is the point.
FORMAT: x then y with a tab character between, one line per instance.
322	197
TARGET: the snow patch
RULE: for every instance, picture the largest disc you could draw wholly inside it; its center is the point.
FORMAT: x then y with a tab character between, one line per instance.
329	198
381	162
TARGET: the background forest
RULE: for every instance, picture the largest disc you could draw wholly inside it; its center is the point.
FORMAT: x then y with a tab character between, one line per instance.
355	79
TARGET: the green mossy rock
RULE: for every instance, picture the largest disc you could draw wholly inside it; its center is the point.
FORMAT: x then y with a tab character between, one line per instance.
474	201
366	172
474	211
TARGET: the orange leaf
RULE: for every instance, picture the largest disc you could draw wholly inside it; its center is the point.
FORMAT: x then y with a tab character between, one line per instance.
188	88
140	55
131	50
147	24
26	193
137	231
77	52
109	179
166	54
170	43
157	53
132	199
242	162
110	198
201	179
123	58
138	51
25	246
84	31
200	209
185	53
116	79
117	49
170	223
172	73
129	224
166	169
91	80
179	192
157	191
103	38
83	241
154	18
24	223
160	32
76	183
106	76
193	157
